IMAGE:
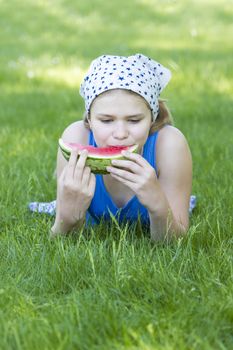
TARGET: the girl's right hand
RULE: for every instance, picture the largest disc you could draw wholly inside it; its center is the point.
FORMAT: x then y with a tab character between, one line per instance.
75	190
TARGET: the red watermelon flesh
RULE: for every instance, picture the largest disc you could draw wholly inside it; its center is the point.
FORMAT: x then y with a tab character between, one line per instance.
98	157
97	152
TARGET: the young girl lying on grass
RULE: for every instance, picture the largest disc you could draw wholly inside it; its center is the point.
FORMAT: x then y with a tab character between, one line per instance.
122	104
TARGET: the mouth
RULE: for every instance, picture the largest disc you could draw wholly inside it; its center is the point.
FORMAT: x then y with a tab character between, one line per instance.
120	145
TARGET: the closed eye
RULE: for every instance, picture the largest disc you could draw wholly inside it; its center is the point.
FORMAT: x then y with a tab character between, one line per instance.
106	121
134	120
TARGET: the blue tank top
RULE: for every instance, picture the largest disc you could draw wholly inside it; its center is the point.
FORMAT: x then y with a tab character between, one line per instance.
102	205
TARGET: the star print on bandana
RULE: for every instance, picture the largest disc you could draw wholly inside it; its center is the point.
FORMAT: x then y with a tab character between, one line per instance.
137	73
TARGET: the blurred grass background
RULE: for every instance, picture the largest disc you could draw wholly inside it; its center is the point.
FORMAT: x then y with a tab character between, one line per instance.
46	47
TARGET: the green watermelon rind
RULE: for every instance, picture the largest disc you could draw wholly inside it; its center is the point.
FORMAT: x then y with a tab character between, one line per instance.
97	165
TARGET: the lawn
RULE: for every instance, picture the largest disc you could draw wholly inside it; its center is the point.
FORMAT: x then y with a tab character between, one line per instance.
110	287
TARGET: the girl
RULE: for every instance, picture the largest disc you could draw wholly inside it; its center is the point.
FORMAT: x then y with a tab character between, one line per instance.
122	104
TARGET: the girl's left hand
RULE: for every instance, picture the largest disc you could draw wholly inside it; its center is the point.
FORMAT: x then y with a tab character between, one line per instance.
138	175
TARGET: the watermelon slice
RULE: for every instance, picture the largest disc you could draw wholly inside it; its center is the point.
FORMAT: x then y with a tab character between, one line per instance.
98	157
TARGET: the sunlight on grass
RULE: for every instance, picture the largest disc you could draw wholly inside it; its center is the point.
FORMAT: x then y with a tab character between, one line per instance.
164	6
47	68
224	86
68	76
67	15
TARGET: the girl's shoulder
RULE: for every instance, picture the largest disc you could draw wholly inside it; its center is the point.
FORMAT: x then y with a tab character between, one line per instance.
77	133
171	146
168	135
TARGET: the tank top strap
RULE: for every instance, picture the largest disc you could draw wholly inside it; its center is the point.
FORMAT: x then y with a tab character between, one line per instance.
149	149
91	139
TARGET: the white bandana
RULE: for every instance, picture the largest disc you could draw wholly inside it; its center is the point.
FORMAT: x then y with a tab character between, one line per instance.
137	73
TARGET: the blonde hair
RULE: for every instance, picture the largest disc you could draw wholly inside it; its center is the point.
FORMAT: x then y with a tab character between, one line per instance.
164	117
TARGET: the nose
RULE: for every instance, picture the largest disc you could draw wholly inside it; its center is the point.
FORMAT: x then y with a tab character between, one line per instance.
121	131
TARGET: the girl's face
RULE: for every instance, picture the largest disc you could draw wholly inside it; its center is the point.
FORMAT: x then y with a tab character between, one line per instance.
120	118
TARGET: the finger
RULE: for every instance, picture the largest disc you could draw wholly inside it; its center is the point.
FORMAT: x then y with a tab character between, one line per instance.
72	163
127	164
63	174
126	182
86	176
80	165
135	157
124	174
92	184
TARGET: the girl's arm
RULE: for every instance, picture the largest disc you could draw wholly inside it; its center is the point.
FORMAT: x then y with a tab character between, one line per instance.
167	195
75	190
170	213
64	222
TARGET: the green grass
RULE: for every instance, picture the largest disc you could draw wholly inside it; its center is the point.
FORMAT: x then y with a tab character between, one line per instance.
110	287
